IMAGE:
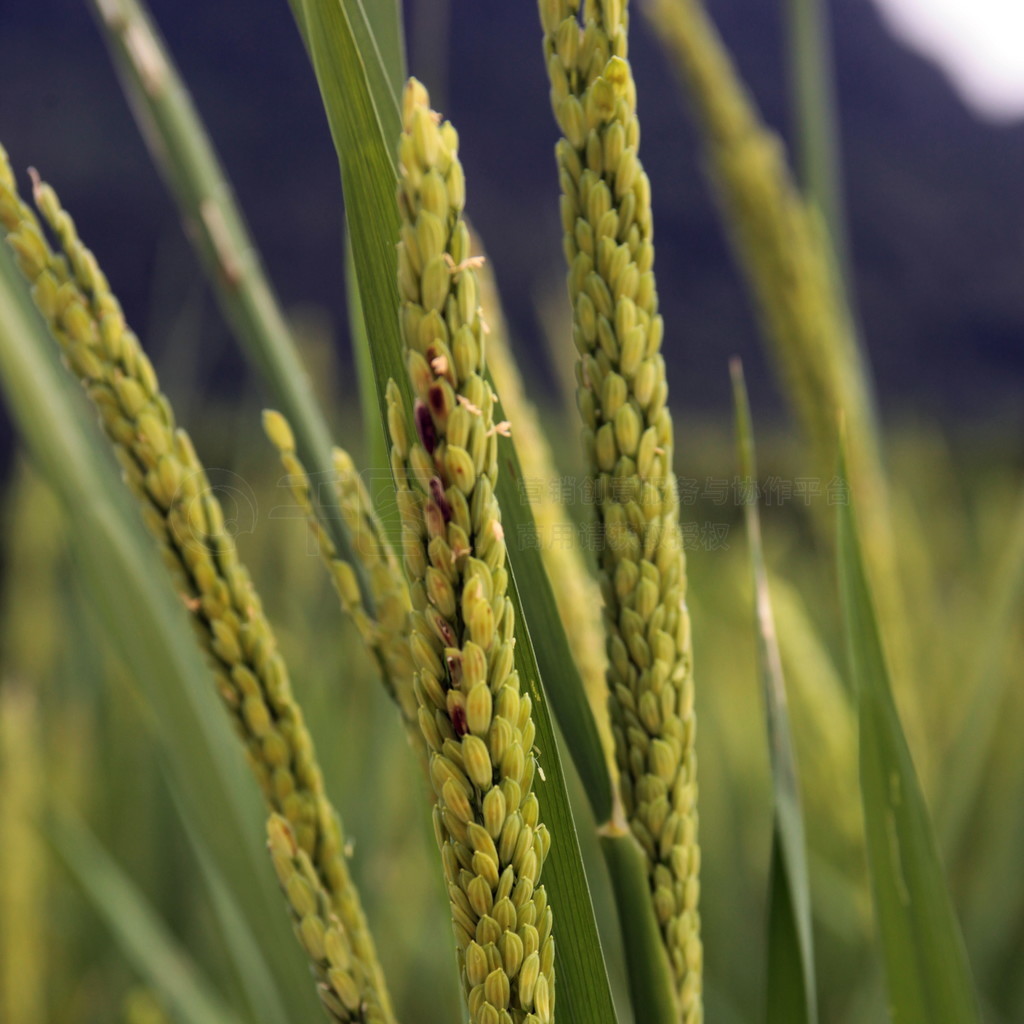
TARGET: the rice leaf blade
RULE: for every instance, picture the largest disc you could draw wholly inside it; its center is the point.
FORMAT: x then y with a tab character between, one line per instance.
141	935
791	995
185	156
927	972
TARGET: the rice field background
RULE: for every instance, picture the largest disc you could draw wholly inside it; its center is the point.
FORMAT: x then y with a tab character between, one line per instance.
121	879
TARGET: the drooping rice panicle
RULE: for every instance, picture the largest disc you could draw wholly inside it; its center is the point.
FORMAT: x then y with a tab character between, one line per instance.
385	631
622	395
340	972
180	509
477	722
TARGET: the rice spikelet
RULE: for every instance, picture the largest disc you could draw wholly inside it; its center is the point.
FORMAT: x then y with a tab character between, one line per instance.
386	630
340	971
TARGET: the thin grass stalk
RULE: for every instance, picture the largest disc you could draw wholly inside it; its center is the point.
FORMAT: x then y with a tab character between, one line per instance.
812	89
23	869
164	474
185	156
783	245
476	718
622	395
791	993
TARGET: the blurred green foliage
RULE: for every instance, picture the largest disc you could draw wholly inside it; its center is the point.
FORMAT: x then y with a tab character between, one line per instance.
955	498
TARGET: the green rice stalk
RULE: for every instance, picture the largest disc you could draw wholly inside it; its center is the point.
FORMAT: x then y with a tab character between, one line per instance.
184	154
23	914
784	248
622	396
385	630
814	114
162	470
344	989
475	717
783	245
577	593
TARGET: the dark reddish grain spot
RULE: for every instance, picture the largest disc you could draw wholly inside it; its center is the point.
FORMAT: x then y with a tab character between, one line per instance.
459	720
425	427
437	493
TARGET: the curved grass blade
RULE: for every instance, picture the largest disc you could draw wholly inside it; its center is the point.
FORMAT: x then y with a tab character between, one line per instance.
927	973
186	158
369	180
140	934
791	996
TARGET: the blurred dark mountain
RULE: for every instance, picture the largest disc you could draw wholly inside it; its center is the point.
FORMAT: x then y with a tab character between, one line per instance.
935	196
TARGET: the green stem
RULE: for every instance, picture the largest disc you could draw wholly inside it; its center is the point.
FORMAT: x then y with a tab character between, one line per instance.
185	157
812	85
651	986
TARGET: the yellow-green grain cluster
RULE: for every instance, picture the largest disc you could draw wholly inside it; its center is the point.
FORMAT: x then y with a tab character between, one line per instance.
622	397
340	971
385	631
476	719
179	507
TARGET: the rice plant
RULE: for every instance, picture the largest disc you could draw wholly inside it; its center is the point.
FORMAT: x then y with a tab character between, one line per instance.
178	727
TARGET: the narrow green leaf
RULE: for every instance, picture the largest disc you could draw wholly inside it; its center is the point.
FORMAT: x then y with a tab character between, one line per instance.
369	180
788	997
812	86
378	478
928	976
988	690
791	997
565	690
141	935
185	156
384	19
